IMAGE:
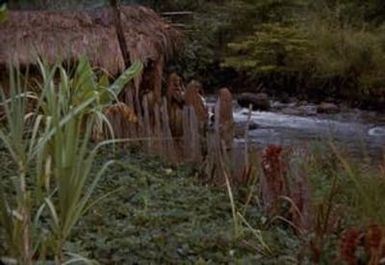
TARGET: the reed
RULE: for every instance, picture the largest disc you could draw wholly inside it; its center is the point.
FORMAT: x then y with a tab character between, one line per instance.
50	145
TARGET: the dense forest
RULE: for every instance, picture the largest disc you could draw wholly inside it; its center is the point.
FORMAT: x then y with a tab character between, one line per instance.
313	50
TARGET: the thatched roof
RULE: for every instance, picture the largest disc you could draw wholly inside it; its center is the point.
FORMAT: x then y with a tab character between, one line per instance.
56	35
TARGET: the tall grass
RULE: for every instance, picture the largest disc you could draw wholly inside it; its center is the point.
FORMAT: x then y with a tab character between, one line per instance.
17	221
48	133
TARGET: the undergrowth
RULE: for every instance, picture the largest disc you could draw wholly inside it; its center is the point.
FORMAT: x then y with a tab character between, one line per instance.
160	214
157	213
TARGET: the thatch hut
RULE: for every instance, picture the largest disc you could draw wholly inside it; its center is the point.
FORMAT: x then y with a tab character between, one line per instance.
67	35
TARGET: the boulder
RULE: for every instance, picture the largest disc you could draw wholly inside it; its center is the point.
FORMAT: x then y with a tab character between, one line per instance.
253	126
259	101
328	108
291	111
308	110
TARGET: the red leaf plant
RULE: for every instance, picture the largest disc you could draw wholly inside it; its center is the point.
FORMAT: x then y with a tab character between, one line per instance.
372	239
272	179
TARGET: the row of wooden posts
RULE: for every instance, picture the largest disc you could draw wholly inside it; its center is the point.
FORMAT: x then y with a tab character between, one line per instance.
180	128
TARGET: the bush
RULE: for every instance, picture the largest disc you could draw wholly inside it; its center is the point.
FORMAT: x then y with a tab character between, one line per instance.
325	54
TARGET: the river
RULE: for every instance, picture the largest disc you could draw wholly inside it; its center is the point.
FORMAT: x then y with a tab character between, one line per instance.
356	132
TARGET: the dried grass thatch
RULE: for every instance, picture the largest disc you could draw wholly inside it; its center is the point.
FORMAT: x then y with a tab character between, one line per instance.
70	34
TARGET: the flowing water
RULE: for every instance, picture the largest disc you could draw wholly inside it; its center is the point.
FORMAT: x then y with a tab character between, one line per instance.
359	133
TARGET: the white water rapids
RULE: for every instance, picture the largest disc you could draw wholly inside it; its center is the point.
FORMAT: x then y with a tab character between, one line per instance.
357	132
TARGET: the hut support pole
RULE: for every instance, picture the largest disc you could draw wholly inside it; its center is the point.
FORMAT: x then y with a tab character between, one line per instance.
119	32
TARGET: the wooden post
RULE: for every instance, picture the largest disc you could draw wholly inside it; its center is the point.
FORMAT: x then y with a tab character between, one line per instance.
120	33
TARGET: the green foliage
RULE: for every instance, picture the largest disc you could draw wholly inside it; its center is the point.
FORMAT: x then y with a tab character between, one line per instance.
50	146
273	48
197	52
162	215
3	13
348	51
16	221
328	42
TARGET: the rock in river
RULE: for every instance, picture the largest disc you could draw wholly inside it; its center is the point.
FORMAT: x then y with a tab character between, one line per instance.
241	126
327	108
259	101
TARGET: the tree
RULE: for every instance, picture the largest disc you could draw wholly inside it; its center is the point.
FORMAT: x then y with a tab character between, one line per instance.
273	48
